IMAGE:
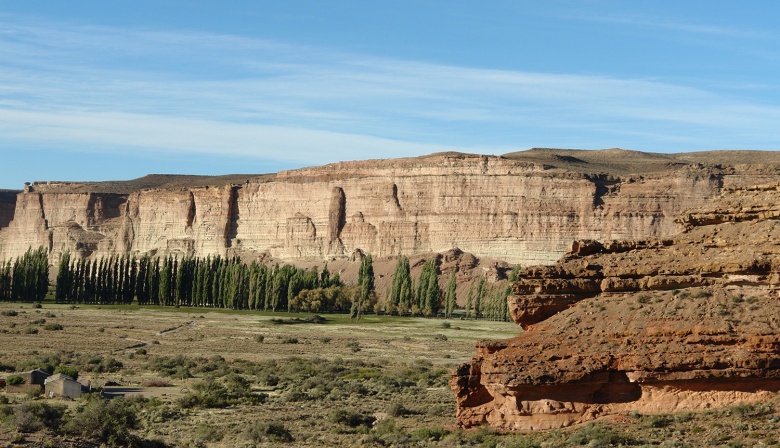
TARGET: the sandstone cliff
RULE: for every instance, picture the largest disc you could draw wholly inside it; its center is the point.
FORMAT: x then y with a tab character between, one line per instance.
522	208
658	325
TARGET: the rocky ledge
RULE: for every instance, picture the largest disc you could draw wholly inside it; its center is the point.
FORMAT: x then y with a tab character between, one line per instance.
652	326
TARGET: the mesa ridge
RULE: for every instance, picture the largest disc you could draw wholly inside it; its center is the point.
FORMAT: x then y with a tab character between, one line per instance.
523	207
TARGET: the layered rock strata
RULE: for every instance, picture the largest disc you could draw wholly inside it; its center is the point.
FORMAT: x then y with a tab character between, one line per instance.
654	326
523	208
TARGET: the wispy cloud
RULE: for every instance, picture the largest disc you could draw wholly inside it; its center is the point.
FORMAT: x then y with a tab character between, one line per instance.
660	22
216	94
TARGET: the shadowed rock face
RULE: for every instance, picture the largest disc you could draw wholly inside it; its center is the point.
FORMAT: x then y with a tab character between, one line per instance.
523	208
654	326
7	206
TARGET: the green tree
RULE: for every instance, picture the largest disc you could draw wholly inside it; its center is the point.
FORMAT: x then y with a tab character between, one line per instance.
428	294
514	275
470	300
63	278
401	289
478	296
365	287
450	298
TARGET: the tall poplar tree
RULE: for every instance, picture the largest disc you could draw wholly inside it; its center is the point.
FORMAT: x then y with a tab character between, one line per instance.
450	298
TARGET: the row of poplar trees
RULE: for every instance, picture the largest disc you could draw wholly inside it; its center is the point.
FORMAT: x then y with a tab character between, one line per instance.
426	298
200	282
229	283
26	278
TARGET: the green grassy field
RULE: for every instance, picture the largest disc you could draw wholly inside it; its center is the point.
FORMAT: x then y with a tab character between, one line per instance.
221	378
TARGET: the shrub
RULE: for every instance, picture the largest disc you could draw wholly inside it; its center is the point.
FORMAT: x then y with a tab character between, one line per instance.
213	394
289	340
397	410
68	371
52	327
34	416
177	366
9	313
354	346
598	435
259	338
268	432
155	383
429	434
523	442
350	418
700	294
99	364
14	380
752	410
660	421
440	337
105	421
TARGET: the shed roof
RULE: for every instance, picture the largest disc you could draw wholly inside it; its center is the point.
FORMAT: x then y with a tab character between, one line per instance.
58	377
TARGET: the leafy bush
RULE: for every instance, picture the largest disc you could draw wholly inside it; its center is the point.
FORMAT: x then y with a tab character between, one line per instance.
289	340
68	371
210	393
429	434
14	380
34	416
177	366
155	383
752	409
397	410
350	418
660	421
267	432
105	421
598	435
522	442
53	327
9	313
99	364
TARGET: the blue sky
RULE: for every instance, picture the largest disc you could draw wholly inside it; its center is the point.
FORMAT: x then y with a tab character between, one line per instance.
95	90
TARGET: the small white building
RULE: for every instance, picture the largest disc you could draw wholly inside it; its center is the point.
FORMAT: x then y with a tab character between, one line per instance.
59	385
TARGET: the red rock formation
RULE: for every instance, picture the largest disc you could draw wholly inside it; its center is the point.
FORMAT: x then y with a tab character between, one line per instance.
651	326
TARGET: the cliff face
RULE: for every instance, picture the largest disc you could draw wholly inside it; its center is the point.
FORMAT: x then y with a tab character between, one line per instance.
518	209
654	326
7	206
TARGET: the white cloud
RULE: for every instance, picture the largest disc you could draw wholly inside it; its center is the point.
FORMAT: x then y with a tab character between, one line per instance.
183	135
215	94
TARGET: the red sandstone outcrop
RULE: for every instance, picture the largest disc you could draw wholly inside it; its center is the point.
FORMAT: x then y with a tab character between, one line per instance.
654	326
522	208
